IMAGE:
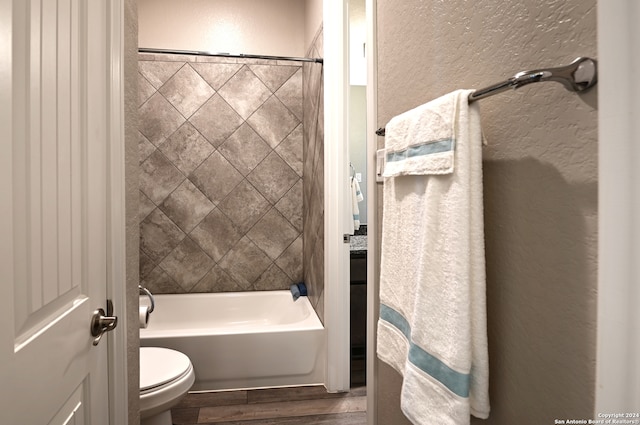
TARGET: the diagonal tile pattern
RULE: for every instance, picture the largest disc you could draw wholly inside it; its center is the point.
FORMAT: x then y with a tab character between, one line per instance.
221	174
216	120
244	92
186	90
158	119
273	121
313	170
186	148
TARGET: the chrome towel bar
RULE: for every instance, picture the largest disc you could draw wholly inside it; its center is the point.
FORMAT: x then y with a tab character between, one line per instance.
579	75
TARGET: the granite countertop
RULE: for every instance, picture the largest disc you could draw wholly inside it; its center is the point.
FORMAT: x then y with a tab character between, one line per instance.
358	244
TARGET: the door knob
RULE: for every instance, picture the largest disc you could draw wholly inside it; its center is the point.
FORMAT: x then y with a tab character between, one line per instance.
102	322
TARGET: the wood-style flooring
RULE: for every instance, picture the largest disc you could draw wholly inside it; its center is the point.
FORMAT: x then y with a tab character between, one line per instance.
287	406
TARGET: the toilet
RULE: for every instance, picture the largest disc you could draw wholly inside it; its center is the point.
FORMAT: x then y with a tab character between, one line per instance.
165	377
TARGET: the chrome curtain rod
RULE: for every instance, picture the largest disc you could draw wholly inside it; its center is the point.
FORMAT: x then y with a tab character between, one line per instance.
227	55
578	76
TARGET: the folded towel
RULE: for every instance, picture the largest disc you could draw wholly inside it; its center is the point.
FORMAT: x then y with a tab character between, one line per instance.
432	326
298	290
356	196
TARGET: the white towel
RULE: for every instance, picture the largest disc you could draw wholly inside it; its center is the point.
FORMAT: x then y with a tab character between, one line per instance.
432	326
356	196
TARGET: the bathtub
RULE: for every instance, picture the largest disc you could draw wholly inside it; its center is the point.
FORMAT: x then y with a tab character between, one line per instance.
241	340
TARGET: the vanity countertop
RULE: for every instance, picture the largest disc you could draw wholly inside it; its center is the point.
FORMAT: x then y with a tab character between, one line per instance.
358	243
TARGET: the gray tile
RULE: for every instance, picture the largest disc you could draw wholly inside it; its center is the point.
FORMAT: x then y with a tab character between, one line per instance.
158	177
245	262
318	304
145	206
218	59
273	279
217	280
186	148
317	263
159	282
317	208
273	234
186	90
273	121
158	119
187	264
291	94
291	206
216	120
146	265
244	92
244	206
216	74
273	76
145	89
245	149
312	81
216	177
158	72
216	234
291	150
145	148
173	57
186	206
273	177
290	262
159	235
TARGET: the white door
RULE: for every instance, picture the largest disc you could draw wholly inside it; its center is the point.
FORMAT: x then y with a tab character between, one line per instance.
54	88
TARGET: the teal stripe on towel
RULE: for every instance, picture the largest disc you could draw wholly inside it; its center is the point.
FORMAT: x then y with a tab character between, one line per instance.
426	148
457	382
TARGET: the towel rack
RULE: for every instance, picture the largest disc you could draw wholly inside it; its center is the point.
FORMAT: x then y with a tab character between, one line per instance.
578	76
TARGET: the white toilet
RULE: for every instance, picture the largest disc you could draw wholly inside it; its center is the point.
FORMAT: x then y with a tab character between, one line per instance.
165	377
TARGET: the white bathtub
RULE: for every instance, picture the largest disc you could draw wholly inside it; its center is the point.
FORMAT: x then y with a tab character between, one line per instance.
240	340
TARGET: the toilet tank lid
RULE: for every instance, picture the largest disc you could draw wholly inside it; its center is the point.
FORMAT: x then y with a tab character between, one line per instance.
159	366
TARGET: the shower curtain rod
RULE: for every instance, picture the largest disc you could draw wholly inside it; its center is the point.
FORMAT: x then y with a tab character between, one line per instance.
578	76
227	55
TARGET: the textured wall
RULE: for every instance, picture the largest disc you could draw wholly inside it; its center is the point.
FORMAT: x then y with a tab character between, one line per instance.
540	180
131	202
312	21
313	89
262	27
220	173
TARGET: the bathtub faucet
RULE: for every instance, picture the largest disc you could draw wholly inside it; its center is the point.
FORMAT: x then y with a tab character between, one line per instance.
150	295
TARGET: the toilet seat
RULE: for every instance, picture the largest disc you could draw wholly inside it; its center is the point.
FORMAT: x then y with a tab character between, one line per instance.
160	366
165	376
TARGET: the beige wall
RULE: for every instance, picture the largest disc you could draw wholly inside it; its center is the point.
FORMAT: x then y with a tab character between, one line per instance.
264	27
312	21
540	196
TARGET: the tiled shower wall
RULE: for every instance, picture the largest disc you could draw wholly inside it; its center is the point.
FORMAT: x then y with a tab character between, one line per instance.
314	177
221	173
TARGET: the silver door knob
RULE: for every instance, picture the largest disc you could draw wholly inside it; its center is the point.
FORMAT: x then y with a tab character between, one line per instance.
102	322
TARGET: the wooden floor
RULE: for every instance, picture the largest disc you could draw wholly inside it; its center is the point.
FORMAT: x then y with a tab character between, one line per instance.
286	406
